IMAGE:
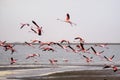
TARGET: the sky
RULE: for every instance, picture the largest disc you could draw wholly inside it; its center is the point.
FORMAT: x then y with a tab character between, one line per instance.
97	20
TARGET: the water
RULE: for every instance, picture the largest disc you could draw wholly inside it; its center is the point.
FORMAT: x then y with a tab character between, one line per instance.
40	65
22	51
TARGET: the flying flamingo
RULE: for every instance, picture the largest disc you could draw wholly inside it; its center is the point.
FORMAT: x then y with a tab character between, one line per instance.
88	59
9	47
111	66
64	41
48	48
2	43
80	39
35	41
74	50
46	43
13	60
95	52
81	46
102	45
53	61
109	59
39	29
67	20
32	55
62	46
23	25
29	44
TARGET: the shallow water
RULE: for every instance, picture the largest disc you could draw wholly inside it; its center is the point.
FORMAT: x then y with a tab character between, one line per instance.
59	54
40	65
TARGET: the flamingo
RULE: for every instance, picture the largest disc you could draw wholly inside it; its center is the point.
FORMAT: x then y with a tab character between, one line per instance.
81	47
32	55
23	25
46	43
74	50
114	68
9	47
88	59
67	20
35	41
80	39
53	61
62	46
95	52
111	66
13	60
29	44
48	48
39	29
102	45
2	43
64	41
109	59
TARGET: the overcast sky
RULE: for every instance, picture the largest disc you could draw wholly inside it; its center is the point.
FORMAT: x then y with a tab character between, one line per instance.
97	20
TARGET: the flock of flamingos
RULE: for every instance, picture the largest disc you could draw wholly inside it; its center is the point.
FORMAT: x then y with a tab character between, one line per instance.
63	44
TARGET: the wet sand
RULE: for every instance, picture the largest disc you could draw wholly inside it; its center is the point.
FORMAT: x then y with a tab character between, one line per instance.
38	72
78	75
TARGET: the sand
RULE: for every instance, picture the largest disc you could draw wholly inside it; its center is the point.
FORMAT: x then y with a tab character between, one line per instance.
4	73
102	74
78	75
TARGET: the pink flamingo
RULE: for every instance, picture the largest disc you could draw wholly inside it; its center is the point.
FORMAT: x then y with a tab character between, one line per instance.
111	66
88	59
81	46
74	50
109	59
67	20
95	52
29	44
64	41
48	48
2	43
46	43
9	47
80	39
13	60
39	29
35	41
62	46
32	55
53	61
102	45
23	25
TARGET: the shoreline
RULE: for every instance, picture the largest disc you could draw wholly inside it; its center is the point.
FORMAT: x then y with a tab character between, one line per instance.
77	75
45	72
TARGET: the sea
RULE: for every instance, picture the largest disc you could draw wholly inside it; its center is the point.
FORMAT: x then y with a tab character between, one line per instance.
66	60
22	51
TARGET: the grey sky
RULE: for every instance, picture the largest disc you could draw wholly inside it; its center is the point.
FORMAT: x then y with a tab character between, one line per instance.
97	20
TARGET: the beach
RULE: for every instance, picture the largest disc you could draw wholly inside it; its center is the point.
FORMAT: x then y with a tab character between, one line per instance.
57	73
77	75
69	65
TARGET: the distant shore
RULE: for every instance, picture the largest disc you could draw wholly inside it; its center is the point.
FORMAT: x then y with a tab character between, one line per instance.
22	43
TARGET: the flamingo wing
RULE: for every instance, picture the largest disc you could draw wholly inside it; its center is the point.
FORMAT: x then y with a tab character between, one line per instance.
35	23
112	57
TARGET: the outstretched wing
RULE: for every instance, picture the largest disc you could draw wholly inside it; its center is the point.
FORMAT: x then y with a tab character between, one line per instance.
35	23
